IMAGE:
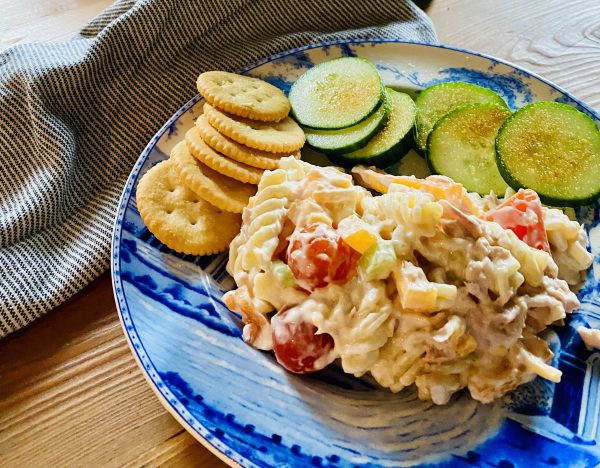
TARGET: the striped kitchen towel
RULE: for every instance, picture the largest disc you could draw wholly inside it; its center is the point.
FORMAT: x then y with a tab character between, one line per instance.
76	115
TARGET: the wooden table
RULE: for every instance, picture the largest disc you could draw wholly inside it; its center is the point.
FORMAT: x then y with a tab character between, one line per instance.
71	393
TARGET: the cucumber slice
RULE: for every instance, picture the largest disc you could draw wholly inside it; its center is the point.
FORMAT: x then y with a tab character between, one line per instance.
336	94
392	142
351	138
462	147
553	149
437	100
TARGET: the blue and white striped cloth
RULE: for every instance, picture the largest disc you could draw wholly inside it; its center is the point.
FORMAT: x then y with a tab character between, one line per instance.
76	115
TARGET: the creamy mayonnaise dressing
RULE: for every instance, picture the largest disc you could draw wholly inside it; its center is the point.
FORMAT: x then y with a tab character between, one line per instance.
462	308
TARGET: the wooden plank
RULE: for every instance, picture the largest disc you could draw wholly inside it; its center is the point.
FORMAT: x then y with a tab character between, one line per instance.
72	394
45	20
558	40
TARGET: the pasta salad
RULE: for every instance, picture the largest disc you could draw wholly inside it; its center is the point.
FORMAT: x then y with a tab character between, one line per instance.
421	283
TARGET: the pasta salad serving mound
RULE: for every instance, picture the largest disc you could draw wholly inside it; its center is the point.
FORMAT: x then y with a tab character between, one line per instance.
423	284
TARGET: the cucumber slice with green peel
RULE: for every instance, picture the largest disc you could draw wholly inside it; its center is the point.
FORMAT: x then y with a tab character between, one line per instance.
336	94
392	142
554	149
462	147
437	100
348	139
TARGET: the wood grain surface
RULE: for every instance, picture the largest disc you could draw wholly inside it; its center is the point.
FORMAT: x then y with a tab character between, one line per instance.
558	40
71	393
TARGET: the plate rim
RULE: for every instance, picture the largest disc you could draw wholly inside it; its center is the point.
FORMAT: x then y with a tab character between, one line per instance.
216	447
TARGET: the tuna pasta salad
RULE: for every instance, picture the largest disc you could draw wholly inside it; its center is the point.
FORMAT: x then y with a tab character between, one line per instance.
413	281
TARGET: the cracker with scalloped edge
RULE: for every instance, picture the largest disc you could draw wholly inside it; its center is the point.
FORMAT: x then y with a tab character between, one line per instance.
243	96
220	163
222	191
234	150
179	218
277	137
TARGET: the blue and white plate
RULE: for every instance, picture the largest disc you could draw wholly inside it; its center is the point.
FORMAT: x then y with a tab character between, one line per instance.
246	409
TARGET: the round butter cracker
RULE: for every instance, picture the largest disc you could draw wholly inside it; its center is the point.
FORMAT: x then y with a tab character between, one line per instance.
220	163
179	218
243	96
234	150
280	137
222	191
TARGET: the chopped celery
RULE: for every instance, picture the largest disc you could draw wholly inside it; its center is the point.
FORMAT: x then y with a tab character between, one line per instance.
378	261
283	274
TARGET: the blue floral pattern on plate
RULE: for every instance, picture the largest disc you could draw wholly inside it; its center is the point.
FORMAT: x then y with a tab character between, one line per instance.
248	410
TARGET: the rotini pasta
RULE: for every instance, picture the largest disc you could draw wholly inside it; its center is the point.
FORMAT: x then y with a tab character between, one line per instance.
568	244
420	285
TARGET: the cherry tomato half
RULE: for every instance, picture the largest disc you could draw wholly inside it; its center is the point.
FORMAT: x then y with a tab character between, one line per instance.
296	345
317	256
522	214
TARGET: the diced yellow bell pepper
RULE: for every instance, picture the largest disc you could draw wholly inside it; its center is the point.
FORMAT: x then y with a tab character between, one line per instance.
361	240
356	233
